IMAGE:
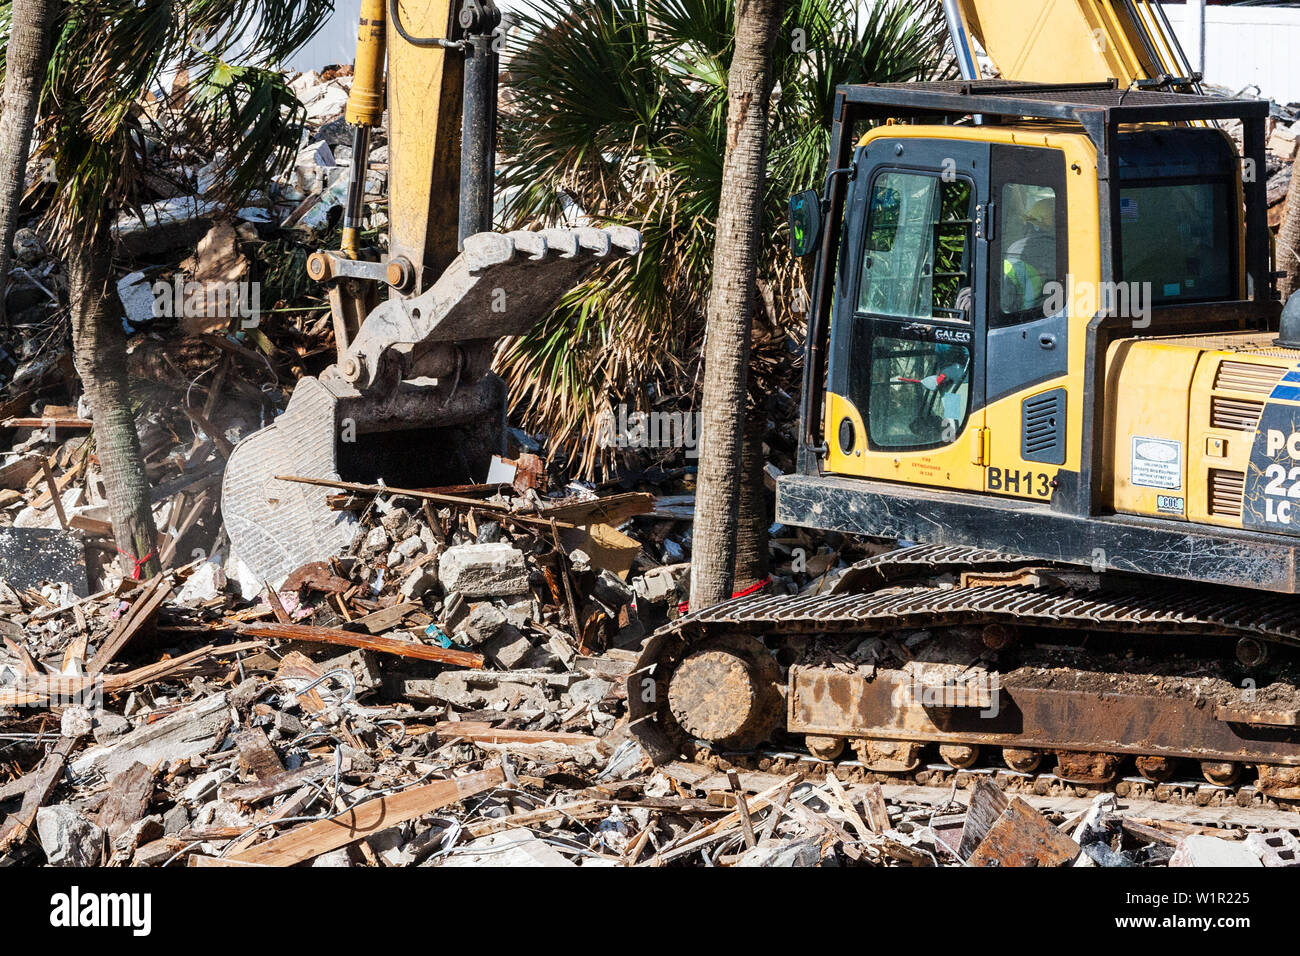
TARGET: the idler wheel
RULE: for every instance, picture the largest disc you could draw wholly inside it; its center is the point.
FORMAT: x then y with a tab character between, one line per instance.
727	692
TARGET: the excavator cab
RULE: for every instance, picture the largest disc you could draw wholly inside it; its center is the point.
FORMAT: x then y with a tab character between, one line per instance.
1029	306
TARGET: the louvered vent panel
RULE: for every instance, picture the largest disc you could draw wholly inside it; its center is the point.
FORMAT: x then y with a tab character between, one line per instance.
1227	489
1240	414
1042	427
1248	377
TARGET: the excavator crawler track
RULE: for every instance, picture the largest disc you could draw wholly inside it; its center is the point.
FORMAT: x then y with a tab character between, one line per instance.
1092	678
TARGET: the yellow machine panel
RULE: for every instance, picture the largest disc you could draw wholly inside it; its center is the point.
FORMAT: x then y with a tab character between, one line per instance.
1071	41
1148	389
1204	427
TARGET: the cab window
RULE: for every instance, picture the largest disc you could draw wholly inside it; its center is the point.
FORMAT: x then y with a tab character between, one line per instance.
1177	239
919	392
917	255
1029	261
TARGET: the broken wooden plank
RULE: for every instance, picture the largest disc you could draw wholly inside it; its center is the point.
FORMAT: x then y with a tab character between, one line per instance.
1150	834
1022	837
277	784
580	811
746	826
846	804
142	612
312	839
129	793
44	778
256	755
211	861
873	801
481	732
369	642
610	510
987	803
81	424
386	618
56	494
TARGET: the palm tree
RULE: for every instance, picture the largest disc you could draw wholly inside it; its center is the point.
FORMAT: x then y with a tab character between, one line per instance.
92	130
28	28
731	301
615	110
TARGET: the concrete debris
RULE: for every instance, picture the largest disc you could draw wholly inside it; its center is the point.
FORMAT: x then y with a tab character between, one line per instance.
1198	850
454	676
1281	848
67	838
507	848
484	571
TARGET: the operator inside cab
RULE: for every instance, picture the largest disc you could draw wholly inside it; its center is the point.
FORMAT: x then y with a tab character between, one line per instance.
1030	258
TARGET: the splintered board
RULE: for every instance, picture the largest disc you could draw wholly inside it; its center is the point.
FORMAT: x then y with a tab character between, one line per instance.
29	557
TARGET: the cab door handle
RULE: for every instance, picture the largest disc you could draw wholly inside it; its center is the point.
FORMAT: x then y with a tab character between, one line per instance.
1047	341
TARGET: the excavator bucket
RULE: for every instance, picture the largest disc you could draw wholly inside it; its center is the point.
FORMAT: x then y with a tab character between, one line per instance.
411	402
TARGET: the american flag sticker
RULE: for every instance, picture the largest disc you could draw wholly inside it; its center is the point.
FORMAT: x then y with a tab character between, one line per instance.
1128	210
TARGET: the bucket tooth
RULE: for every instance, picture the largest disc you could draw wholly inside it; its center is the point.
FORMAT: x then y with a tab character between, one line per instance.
531	244
561	242
595	242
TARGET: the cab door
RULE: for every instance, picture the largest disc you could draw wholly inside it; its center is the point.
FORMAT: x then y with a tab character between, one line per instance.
906	380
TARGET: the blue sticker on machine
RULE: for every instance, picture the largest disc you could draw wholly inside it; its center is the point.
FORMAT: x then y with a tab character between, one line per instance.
1271	493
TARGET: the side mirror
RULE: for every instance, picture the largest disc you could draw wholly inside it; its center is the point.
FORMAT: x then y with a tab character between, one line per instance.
805	222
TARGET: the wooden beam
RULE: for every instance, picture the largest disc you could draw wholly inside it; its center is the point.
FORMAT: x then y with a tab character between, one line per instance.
369	642
312	839
483	733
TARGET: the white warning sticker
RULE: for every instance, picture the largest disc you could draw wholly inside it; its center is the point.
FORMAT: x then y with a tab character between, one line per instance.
1157	463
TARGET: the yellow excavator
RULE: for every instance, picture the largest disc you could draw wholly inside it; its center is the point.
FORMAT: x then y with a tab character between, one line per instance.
411	400
1048	374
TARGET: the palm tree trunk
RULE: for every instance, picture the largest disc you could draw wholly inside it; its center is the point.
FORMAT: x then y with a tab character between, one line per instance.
24	69
753	518
99	351
1288	240
731	303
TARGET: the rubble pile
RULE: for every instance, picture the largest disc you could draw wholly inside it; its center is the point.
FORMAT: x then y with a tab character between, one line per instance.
450	690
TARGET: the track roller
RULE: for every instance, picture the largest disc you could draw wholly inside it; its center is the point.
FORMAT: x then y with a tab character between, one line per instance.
824	748
1093	769
959	756
1156	769
1022	761
887	756
1220	773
